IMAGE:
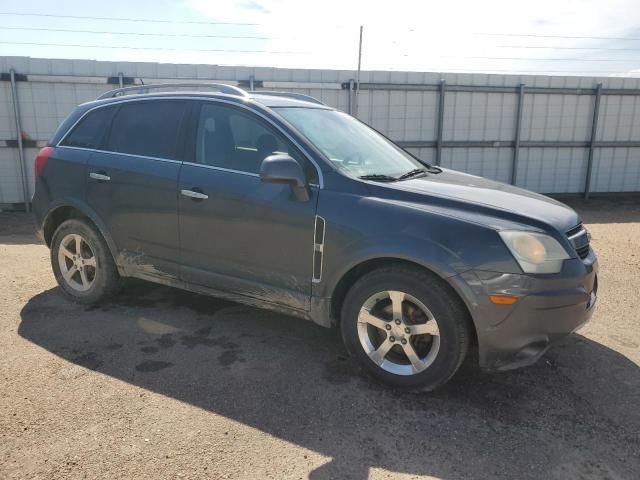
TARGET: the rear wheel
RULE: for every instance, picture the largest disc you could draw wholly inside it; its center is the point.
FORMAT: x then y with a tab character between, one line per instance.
82	262
406	327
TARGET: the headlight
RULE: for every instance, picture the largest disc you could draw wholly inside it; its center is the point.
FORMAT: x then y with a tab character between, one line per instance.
535	252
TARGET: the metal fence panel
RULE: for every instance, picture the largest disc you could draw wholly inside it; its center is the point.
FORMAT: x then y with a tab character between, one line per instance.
402	116
616	170
10	187
10	179
553	170
556	117
7	124
479	116
619	118
494	163
426	154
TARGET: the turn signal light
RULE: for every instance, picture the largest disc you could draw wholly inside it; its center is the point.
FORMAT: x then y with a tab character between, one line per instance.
503	299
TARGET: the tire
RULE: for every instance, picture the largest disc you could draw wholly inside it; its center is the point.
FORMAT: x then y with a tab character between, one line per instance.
91	277
439	349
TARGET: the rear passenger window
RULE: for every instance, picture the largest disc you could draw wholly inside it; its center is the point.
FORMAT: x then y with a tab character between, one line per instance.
91	129
148	128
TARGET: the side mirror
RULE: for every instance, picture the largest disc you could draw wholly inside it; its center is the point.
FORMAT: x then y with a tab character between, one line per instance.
285	169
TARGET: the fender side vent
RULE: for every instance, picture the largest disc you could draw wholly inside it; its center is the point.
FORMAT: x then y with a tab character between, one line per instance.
318	248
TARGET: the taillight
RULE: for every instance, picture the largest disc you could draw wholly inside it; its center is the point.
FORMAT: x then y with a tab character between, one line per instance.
41	159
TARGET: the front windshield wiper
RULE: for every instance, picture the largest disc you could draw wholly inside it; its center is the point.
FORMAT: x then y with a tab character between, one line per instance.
378	177
412	173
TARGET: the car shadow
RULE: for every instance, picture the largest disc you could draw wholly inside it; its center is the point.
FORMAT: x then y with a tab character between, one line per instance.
574	414
18	228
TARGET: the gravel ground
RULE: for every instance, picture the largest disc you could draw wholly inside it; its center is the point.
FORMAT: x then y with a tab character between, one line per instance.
166	384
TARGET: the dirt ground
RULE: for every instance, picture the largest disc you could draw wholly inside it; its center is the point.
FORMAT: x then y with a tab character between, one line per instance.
166	384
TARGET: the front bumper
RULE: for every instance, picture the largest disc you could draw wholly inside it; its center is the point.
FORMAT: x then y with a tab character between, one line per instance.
549	307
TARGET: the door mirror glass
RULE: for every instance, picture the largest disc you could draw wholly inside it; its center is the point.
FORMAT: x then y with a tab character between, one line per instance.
285	169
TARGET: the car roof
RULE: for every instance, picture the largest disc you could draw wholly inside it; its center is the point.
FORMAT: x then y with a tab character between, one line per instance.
282	101
264	99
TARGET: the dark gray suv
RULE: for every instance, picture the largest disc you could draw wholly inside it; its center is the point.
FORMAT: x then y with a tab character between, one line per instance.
278	201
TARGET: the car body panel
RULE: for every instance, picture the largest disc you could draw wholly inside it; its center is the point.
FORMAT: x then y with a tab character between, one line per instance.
547	310
63	177
491	194
139	206
248	236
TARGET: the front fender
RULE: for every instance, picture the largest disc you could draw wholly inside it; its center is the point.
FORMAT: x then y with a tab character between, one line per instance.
359	229
426	253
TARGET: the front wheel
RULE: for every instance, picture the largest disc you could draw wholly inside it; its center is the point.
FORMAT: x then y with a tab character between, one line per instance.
406	327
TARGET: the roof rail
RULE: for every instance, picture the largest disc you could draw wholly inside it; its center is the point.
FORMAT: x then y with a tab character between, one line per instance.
297	96
220	87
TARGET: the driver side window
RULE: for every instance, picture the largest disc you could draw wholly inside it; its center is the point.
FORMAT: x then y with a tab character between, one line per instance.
232	139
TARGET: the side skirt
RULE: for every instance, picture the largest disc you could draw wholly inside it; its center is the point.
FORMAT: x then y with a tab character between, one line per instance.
155	276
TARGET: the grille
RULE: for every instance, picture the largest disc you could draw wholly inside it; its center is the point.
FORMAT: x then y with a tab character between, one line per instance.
574	230
579	238
583	251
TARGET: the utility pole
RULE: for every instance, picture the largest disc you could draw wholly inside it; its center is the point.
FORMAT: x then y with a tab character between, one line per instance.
355	103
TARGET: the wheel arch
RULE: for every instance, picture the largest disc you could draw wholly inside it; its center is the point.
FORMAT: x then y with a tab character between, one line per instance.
68	210
357	271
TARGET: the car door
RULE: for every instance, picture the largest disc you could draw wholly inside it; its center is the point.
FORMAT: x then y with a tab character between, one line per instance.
132	184
237	233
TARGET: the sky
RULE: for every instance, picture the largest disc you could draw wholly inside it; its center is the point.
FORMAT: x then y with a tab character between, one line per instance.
554	37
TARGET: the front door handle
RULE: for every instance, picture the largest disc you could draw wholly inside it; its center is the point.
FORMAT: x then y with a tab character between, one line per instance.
194	194
101	177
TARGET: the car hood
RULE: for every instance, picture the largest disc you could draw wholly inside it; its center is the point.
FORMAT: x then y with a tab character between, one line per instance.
461	190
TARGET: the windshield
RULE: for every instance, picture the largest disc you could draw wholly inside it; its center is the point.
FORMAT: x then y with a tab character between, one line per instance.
353	147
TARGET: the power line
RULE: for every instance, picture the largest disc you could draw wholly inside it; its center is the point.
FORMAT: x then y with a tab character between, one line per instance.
451	70
535	72
491	34
219	50
549	59
571	48
251	37
513	72
538	59
535	35
196	22
38	29
125	19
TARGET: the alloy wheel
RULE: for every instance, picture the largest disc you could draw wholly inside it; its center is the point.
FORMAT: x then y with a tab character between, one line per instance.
398	332
77	262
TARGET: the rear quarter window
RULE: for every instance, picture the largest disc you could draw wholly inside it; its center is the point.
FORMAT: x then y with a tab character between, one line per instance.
91	129
148	128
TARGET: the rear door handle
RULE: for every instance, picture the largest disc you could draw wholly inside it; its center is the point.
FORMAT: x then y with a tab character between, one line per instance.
100	177
194	194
